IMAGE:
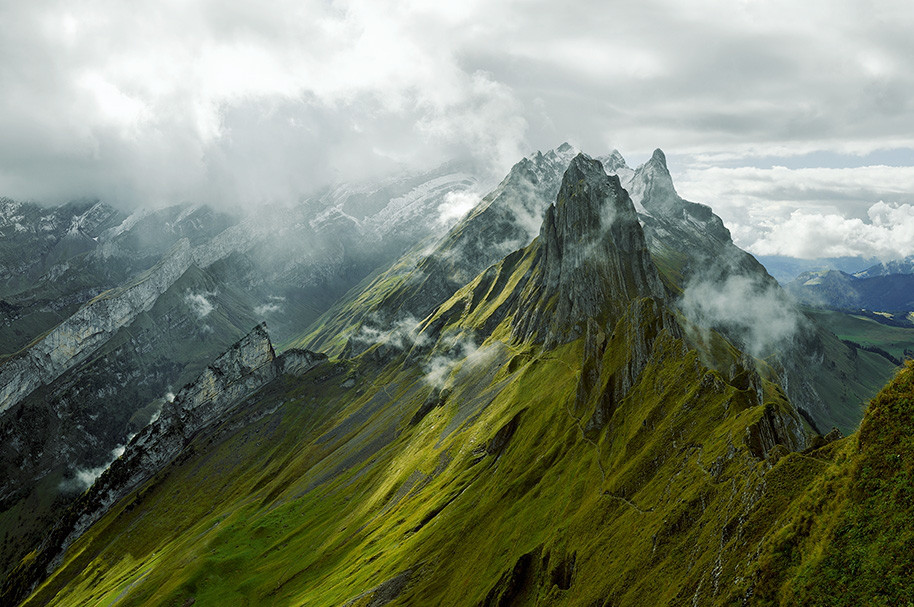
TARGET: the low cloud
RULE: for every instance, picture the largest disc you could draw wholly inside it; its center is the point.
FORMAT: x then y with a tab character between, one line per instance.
456	205
464	354
270	307
401	334
810	212
83	478
888	234
199	304
755	314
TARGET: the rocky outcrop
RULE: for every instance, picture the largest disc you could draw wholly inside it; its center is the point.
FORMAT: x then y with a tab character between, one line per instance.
298	362
90	327
593	259
243	369
505	220
685	235
776	426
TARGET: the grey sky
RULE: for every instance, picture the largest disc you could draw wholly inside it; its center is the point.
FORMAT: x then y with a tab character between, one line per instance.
778	114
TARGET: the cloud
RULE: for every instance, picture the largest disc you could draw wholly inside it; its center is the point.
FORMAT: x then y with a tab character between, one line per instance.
809	211
199	304
755	314
889	234
456	205
270	307
237	103
84	477
402	333
464	354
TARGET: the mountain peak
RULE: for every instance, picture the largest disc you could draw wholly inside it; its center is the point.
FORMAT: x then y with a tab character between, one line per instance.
658	157
652	186
592	258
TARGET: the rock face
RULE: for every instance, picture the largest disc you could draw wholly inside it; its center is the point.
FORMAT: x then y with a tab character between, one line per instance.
48	237
687	233
76	338
697	255
298	362
506	219
593	258
243	369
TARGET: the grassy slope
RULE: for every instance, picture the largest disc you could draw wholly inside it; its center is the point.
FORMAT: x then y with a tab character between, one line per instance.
336	492
865	331
848	540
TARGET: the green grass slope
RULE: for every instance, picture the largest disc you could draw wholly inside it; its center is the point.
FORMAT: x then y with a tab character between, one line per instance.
376	480
866	331
847	540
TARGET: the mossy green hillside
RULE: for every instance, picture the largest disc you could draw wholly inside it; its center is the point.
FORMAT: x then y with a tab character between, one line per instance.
847	540
897	341
342	488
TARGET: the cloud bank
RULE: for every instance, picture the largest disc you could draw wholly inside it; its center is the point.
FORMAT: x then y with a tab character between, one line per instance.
237	103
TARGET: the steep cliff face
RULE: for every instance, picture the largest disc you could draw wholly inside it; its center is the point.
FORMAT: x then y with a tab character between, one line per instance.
727	290
593	258
247	366
506	219
59	437
685	238
76	338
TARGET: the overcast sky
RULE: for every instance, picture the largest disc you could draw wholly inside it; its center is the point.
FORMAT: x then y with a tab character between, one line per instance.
792	119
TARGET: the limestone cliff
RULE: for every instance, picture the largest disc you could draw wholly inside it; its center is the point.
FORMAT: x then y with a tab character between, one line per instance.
79	336
243	369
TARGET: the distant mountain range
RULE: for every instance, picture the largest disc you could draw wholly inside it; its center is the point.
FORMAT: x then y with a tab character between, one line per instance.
884	291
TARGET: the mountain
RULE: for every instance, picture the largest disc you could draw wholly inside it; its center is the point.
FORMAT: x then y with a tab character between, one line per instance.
101	333
726	290
784	269
875	289
887	268
555	385
504	220
564	413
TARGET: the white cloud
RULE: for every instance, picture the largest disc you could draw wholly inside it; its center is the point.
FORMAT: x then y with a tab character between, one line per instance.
84	477
233	101
401	334
889	234
267	308
456	205
464	354
755	314
199	304
810	212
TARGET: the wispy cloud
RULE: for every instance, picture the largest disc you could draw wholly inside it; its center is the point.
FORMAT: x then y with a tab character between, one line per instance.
464	354
402	333
199	304
755	314
84	477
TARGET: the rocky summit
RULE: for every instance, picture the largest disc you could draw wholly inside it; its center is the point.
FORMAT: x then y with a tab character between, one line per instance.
547	402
